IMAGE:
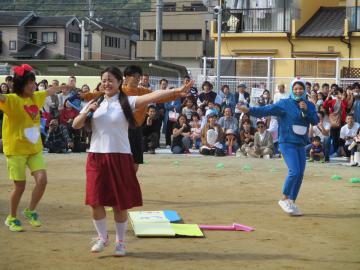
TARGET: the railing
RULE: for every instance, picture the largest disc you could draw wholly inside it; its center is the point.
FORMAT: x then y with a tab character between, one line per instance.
353	13
258	20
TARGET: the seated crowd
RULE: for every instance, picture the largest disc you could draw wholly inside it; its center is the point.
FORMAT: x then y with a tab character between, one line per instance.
212	122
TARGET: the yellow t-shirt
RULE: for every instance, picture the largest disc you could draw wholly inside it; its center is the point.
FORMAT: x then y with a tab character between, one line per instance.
21	124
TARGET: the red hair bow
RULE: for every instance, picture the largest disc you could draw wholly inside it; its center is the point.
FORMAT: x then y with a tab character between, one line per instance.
20	70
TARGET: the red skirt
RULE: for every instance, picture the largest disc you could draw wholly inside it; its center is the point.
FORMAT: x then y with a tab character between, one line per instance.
111	181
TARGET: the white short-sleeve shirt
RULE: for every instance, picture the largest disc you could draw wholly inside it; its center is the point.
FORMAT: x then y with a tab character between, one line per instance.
110	127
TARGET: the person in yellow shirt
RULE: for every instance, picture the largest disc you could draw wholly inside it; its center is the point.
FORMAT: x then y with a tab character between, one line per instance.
22	142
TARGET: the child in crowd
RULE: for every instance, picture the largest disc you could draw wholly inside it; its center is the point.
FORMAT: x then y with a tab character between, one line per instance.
316	151
230	142
188	109
195	136
354	149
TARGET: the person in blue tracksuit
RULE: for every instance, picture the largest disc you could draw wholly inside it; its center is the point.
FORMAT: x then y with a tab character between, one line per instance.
294	114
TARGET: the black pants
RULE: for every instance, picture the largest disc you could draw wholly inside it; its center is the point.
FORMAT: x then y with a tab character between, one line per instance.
135	139
58	147
150	142
335	137
168	132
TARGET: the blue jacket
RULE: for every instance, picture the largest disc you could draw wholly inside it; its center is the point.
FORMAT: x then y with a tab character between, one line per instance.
293	126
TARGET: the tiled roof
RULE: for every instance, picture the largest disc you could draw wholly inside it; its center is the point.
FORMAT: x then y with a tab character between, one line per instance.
29	51
326	22
51	21
14	18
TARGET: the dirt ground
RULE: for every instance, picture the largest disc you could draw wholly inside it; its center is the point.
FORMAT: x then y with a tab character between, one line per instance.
326	237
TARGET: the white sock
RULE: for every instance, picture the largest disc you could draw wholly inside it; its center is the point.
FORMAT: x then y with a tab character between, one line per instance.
100	226
120	231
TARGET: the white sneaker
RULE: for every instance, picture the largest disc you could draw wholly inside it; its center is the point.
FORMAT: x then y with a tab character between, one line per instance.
99	245
266	157
119	249
353	164
286	206
168	147
296	210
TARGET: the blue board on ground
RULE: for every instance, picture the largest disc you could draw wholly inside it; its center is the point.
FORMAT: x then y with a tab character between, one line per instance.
172	215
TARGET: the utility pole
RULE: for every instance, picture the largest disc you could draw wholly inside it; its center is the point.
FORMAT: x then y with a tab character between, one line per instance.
91	15
82	49
218	66
159	36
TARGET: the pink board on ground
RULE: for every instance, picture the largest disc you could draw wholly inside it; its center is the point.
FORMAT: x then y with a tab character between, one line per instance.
234	227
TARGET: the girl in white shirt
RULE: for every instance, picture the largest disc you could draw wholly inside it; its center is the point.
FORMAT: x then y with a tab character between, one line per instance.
111	178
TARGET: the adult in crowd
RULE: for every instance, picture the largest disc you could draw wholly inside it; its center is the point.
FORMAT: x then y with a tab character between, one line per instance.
263	143
145	82
281	94
228	121
227	98
247	134
347	134
58	139
172	112
212	136
337	114
150	129
265	98
181	141
207	95
241	98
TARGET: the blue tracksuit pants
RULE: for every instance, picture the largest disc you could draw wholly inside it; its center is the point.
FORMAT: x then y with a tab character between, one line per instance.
295	159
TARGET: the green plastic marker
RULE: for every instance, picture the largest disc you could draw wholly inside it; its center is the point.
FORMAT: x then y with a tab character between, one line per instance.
336	177
275	170
146	162
220	166
176	163
354	180
247	168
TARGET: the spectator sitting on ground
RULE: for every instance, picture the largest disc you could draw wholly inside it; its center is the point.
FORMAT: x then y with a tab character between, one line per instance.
150	130
212	137
354	147
228	121
247	134
281	93
316	151
67	115
195	136
322	130
58	139
181	136
347	134
188	109
263	143
227	99
231	143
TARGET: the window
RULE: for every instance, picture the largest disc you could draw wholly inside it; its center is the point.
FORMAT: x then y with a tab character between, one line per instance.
251	68
316	68
86	41
198	7
74	37
33	37
12	45
169	7
49	37
149	34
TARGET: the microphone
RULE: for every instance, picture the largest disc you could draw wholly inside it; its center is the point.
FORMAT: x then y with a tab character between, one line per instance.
303	113
98	101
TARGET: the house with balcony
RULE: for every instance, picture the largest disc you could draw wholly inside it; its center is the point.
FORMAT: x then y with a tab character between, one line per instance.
106	42
186	33
25	35
321	30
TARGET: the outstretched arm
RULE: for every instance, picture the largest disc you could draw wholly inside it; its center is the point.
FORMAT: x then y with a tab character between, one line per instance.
273	109
144	100
2	98
53	89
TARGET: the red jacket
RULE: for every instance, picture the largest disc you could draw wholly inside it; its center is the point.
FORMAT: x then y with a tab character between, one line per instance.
66	114
330	103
